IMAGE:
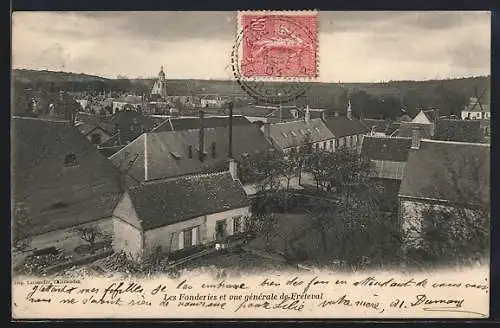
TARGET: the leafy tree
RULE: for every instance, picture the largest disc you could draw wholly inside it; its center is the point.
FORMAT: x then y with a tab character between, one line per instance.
338	169
21	227
455	233
265	224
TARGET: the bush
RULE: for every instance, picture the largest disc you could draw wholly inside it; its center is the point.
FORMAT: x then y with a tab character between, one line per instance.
38	264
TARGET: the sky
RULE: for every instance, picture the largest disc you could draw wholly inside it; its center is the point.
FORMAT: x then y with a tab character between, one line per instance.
353	46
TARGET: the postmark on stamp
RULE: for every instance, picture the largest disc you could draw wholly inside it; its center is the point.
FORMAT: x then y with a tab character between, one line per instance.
279	45
276	47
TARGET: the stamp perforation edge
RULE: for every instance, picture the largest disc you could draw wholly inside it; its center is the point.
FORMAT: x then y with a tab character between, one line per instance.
239	30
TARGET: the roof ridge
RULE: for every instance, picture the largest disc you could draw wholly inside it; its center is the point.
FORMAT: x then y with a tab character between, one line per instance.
455	142
181	177
388	137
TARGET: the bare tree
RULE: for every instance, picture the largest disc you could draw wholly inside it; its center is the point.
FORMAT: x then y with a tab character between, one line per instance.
91	234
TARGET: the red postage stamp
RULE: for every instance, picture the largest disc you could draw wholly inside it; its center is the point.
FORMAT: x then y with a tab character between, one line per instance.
279	45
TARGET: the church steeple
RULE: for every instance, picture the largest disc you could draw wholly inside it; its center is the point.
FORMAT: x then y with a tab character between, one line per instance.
160	86
161	75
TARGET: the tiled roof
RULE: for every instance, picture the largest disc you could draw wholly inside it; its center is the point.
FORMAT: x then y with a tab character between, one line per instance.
385	148
57	196
341	126
188	123
167	153
293	133
161	203
458	130
449	171
388	169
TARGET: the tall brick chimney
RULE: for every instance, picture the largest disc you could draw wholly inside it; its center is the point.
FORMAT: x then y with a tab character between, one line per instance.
415	138
201	140
230	148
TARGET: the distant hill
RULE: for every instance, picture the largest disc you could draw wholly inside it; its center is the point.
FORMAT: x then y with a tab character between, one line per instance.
28	75
450	94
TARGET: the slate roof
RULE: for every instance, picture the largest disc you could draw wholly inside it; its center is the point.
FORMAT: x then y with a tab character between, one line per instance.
341	126
458	130
167	154
162	203
385	148
449	171
264	112
85	129
406	130
431	114
40	180
123	119
378	125
188	123
293	133
130	99
476	106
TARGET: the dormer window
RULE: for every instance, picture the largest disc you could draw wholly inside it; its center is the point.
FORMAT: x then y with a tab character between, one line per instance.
70	160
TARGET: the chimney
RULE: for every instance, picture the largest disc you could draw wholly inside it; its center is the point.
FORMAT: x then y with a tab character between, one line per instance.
233	169
230	149
349	110
267	130
415	140
307	116
201	146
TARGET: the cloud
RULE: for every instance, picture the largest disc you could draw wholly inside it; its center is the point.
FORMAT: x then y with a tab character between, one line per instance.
54	54
354	46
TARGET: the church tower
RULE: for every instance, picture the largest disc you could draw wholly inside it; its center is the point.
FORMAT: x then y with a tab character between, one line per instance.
160	86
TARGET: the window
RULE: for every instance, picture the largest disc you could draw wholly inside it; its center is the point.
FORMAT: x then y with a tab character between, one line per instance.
95	138
331	144
237	225
213	149
324	144
188	237
220	229
336	143
190	151
317	146
70	160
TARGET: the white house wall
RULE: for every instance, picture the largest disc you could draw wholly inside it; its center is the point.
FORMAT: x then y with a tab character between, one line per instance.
127	238
167	237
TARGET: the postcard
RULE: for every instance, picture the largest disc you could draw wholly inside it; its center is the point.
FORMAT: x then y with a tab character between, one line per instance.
251	164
